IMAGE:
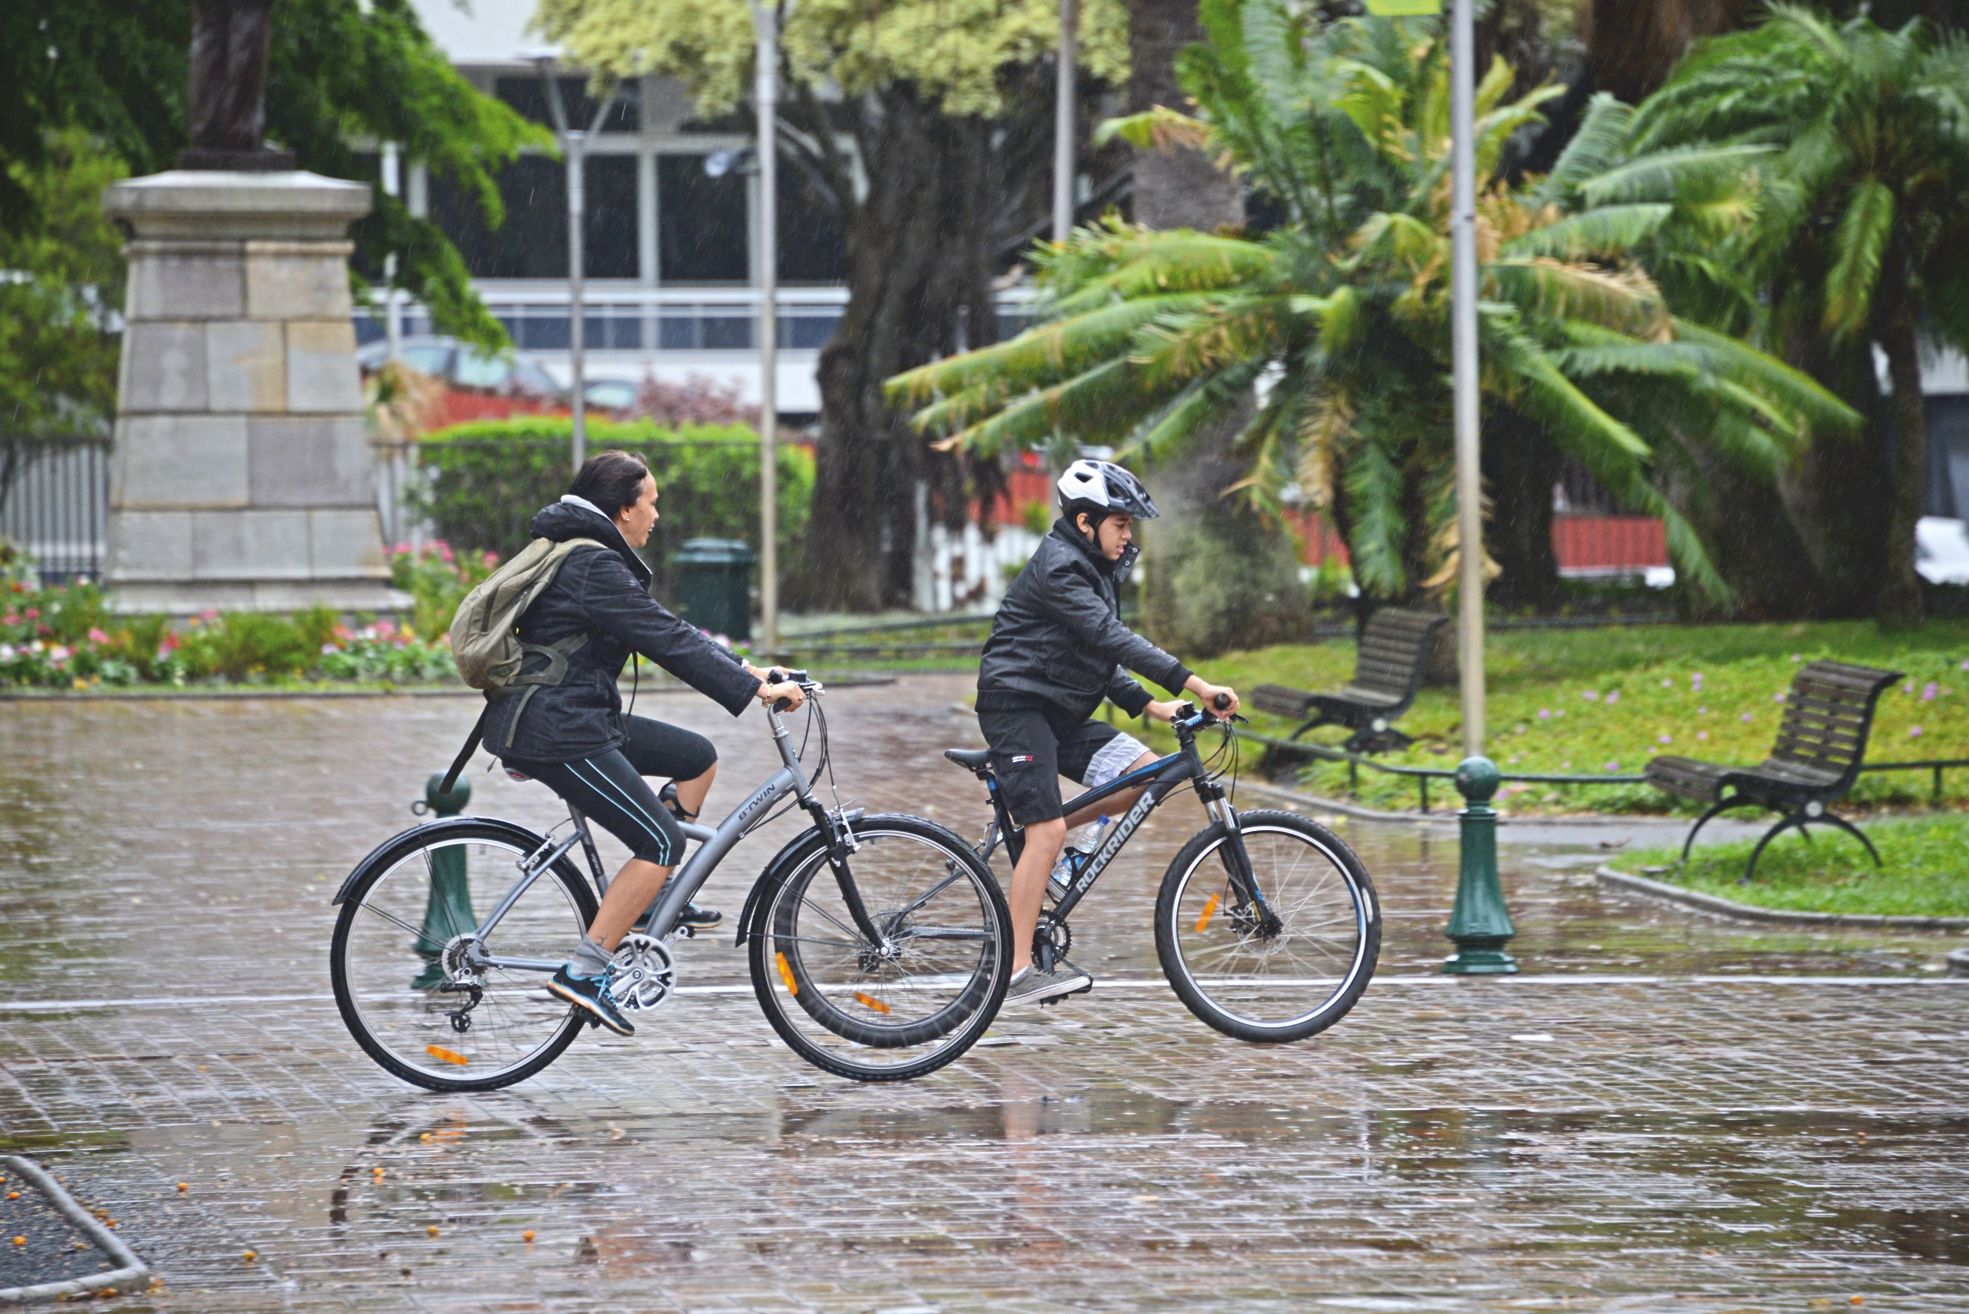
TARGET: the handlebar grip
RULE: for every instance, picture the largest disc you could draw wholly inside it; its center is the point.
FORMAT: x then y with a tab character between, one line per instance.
1221	701
782	704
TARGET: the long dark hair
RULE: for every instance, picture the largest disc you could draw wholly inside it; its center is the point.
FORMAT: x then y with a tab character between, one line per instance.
611	480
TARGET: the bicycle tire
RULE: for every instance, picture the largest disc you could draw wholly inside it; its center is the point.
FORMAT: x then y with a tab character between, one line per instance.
370	991
834	1000
1338	894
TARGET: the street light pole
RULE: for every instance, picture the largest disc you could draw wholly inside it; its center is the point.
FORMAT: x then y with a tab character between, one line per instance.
1063	139
392	302
1463	347
765	18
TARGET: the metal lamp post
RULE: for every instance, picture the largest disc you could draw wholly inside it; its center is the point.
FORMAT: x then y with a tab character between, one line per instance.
1063	143
765	18
574	143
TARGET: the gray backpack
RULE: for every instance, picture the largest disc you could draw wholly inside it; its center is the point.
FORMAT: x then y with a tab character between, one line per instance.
485	640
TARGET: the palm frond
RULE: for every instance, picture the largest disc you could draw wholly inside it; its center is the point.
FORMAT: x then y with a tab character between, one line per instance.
1624	299
1861	247
1594	147
1660	175
1609	230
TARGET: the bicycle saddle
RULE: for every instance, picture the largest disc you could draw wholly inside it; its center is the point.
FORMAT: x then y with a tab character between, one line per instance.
971	759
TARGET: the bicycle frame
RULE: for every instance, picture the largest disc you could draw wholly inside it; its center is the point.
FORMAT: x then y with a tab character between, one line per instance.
1165	775
714	842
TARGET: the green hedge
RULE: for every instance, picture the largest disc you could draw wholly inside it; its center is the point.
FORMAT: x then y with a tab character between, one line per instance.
488	478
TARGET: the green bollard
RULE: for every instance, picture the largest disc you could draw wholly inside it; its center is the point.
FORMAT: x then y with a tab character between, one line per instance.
448	909
1480	924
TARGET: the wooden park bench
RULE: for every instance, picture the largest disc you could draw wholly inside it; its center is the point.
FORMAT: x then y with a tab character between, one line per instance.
1820	743
1394	649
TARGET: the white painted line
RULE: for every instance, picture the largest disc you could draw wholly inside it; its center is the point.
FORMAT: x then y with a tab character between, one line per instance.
1103	983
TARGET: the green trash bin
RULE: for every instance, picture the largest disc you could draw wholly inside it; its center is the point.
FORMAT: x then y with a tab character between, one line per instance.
714	585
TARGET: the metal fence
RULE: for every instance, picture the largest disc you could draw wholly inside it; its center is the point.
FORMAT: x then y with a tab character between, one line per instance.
54	502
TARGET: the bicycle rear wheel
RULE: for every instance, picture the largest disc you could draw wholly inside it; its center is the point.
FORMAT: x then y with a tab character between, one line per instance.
427	997
1280	972
900	1007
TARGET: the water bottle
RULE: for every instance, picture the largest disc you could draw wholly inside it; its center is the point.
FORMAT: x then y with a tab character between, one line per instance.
1074	856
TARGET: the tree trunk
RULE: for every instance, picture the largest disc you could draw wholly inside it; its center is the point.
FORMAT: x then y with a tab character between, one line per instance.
1216	574
1520	466
1837	497
1900	587
1632	48
918	265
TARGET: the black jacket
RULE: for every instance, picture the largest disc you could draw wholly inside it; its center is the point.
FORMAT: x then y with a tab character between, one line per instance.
604	594
1057	642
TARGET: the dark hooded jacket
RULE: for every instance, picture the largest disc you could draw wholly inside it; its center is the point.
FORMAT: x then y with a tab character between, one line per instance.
604	594
1057	642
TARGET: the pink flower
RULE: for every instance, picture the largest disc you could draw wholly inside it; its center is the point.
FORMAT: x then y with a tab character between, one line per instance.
1667	684
1965	663
1929	690
1745	718
1702	734
1591	695
97	636
1613	698
1908	687
170	643
33	613
1664	739
1613	766
209	614
1545	714
1914	732
1702	711
444	554
10	619
1777	698
1797	657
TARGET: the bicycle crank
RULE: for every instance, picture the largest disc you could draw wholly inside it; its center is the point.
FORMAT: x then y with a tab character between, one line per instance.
643	974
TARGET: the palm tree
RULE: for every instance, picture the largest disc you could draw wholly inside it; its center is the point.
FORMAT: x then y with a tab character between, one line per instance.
1859	242
1340	316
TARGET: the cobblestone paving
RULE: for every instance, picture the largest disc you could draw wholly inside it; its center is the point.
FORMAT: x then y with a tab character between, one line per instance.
1666	1112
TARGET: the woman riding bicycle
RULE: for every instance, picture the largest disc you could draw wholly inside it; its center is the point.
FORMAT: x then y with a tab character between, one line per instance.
573	737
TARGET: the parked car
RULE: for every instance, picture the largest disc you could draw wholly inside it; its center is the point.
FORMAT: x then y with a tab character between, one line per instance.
467	368
611	394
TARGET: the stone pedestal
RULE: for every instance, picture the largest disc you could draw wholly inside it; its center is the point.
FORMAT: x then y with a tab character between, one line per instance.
242	478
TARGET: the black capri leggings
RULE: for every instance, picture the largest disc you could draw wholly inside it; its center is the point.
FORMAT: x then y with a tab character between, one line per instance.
609	787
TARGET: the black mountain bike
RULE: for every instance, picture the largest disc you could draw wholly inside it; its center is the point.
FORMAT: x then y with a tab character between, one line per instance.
879	945
1266	925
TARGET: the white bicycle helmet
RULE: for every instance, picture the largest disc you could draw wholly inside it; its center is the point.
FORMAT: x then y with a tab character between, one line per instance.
1104	488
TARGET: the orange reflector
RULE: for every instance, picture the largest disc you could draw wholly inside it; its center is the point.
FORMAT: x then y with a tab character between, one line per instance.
1209	911
442	1054
786	973
869	1001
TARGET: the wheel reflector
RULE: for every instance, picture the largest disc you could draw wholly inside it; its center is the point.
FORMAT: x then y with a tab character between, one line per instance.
869	1001
1209	911
786	973
446	1055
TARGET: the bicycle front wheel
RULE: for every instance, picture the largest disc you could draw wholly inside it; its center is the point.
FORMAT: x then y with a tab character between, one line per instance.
1282	967
426	993
903	1004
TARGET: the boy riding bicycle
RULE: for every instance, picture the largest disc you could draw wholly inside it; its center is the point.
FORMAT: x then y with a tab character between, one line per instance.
1057	649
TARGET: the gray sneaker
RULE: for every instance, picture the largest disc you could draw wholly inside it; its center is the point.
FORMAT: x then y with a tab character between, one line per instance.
1033	986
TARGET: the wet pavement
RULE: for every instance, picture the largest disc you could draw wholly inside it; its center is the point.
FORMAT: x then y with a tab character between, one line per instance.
1665	1105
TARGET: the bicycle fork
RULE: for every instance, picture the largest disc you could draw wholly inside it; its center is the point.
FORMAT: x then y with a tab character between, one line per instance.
1237	859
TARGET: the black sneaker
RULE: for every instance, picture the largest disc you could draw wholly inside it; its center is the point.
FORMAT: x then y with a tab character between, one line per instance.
698	919
1033	986
590	994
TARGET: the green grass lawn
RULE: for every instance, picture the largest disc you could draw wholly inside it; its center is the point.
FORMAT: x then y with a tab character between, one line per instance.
1925	871
1604	701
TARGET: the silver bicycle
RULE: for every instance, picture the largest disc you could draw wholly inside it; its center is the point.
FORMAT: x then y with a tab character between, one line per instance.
879	945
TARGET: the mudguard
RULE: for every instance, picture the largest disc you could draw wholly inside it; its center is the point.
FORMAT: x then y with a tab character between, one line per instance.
436	829
795	849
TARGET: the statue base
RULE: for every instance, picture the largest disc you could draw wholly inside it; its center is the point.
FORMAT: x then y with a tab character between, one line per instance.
242	475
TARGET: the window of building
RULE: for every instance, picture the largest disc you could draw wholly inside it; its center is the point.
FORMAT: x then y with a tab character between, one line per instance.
702	227
532	243
810	245
527	94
